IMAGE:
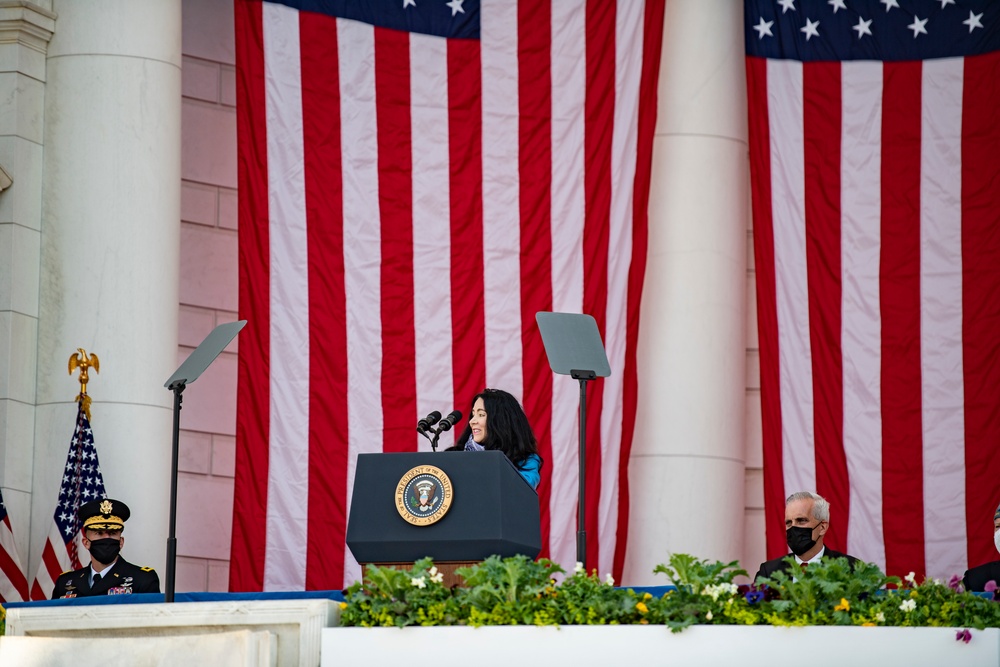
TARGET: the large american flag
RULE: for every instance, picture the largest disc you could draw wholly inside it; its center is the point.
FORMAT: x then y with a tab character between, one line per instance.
875	159
13	582
418	178
82	482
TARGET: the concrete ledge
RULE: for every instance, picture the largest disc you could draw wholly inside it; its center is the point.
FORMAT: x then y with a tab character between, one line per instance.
600	646
242	648
296	625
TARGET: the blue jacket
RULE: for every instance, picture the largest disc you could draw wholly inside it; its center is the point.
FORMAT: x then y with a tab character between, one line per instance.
531	470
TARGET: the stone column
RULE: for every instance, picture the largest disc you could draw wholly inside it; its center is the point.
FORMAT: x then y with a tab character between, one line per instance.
110	249
687	466
25	30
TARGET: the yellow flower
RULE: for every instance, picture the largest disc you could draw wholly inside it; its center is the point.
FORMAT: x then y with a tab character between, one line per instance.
641	606
343	605
643	621
647	596
868	625
843	606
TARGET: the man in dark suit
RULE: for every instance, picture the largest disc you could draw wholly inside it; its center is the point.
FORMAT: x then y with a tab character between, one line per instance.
807	518
976	578
108	573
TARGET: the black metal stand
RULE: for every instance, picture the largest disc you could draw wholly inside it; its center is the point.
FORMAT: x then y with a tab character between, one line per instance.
189	371
581	532
169	584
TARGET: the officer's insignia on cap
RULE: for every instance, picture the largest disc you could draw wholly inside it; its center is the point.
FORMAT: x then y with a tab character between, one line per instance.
107	514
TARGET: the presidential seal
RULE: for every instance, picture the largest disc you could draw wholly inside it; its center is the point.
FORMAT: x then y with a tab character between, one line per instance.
423	495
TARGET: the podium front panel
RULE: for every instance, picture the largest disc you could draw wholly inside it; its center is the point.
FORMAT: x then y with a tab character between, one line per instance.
493	510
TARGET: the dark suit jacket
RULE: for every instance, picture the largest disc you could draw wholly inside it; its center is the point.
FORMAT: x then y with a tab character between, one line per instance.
772	566
121	578
976	577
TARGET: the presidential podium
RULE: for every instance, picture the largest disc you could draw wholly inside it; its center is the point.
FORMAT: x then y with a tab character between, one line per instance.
457	508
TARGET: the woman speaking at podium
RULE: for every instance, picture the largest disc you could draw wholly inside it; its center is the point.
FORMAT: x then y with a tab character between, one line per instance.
497	422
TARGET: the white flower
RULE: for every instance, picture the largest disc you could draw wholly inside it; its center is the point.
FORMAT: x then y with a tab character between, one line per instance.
880	617
912	578
908	605
609	580
436	577
579	569
418	582
715	590
708	616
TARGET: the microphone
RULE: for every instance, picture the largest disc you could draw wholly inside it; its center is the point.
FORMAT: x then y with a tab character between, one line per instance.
453	418
427	422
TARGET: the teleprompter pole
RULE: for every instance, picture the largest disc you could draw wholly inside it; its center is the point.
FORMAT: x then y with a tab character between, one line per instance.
581	528
168	596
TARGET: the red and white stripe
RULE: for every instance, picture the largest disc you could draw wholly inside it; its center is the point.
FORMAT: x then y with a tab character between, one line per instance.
56	559
407	204
13	582
878	274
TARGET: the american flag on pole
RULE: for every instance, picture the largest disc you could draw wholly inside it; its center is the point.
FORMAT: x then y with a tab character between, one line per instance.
875	161
417	178
13	582
82	482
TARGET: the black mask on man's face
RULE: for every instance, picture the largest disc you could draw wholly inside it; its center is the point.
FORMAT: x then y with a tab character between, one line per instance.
106	549
800	539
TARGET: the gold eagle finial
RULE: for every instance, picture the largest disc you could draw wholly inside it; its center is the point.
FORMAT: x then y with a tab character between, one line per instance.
80	359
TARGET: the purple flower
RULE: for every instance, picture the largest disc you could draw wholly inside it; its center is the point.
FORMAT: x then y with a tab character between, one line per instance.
955	583
963	636
990	586
753	597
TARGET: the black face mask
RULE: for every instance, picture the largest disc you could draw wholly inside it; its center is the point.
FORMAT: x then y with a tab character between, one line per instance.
105	550
800	539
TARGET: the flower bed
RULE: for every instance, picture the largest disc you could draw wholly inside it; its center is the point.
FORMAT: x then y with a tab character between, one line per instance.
519	591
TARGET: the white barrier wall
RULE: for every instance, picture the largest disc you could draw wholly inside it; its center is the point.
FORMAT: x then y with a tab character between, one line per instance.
294	624
600	646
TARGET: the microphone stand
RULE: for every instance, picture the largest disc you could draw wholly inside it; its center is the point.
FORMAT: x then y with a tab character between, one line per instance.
434	440
443	426
437	435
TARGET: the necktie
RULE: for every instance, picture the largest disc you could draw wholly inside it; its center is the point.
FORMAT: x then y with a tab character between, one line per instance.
97	577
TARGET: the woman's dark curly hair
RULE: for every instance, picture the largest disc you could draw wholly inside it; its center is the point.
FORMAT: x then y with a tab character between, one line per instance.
507	427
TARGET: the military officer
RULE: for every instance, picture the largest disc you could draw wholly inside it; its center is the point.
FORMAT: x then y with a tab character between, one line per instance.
108	573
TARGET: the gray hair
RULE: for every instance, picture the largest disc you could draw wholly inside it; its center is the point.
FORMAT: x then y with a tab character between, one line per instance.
821	507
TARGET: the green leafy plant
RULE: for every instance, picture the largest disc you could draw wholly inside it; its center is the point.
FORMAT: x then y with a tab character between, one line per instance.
828	592
705	593
509	591
520	591
393	597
